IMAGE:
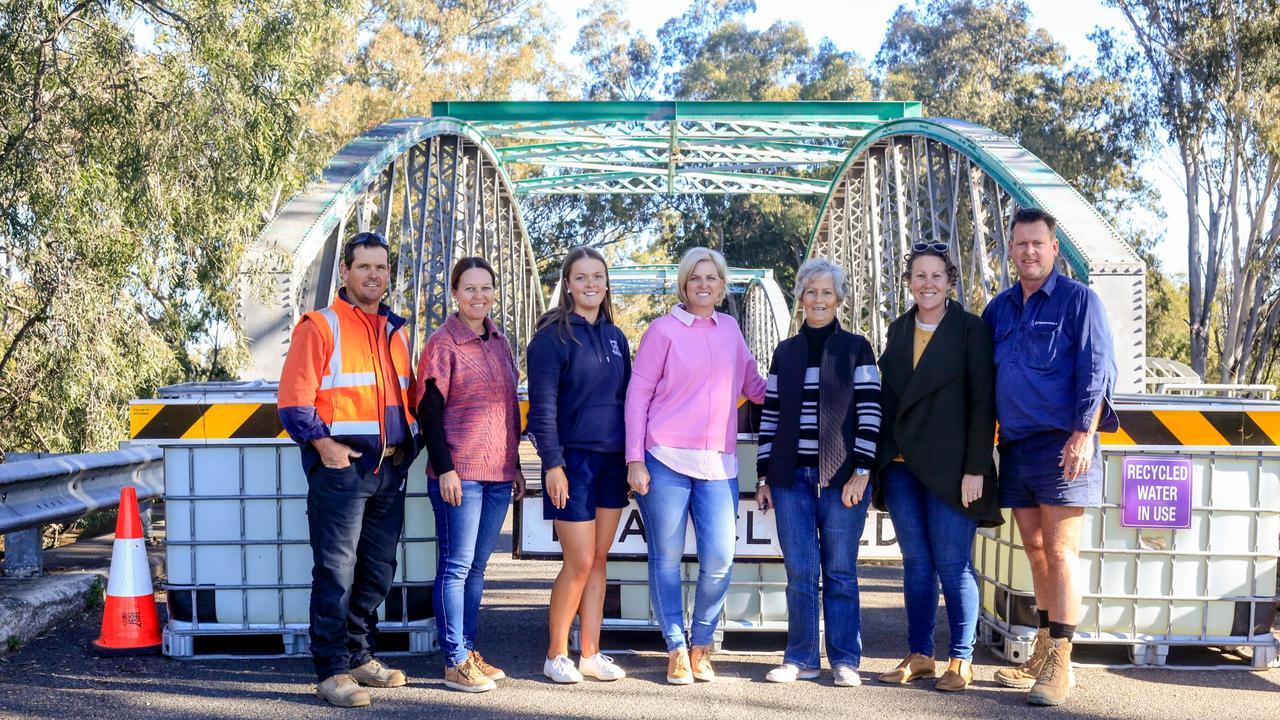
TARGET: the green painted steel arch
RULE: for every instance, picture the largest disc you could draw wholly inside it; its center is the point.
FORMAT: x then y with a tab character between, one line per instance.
1088	242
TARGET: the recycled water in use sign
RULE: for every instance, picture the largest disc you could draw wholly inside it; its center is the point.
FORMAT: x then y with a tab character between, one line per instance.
1157	492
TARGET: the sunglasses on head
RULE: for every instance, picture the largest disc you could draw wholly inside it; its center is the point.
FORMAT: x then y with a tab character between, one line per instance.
934	246
367	238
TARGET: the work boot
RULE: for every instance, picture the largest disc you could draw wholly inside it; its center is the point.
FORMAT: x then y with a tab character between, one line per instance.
489	671
375	674
1054	684
914	667
678	672
700	659
341	690
1024	676
959	675
467	678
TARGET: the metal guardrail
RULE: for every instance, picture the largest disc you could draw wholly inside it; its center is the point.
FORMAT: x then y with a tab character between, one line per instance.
37	492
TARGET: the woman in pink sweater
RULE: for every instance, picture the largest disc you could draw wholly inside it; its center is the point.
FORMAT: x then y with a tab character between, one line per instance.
682	432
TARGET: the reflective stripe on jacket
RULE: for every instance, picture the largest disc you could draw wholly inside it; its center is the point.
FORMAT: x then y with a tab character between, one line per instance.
352	391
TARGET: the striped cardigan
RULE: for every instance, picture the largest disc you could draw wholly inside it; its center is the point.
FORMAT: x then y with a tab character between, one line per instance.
848	410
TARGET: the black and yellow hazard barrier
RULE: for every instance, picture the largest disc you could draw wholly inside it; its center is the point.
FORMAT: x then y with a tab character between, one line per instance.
1199	427
152	421
158	420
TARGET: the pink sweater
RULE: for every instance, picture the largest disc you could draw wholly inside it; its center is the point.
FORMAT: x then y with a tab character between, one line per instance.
685	383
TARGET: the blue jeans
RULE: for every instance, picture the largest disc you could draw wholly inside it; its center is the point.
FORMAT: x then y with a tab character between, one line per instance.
354	519
465	536
665	510
936	539
818	534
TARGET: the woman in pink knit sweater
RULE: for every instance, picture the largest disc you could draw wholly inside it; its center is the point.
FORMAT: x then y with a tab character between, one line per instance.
682	432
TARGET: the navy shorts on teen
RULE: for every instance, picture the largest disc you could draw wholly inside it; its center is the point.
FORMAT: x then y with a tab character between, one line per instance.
1030	474
596	480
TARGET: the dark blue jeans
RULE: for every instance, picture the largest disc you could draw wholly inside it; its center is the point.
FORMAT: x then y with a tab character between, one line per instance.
818	534
355	520
465	536
936	539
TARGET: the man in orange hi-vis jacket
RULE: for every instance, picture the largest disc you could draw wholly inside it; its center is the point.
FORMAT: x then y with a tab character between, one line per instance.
345	399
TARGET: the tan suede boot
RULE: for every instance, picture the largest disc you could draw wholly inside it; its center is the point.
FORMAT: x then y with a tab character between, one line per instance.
678	672
1054	684
375	674
1024	676
959	675
700	660
342	691
916	666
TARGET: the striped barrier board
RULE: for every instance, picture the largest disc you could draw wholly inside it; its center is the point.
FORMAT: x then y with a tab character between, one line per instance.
1200	427
157	421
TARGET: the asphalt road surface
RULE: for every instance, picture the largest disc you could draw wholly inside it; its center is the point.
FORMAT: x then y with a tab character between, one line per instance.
56	676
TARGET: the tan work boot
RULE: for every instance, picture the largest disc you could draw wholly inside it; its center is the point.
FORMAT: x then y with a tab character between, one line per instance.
488	670
375	674
678	670
959	675
914	667
700	659
1024	676
467	678
341	690
1054	684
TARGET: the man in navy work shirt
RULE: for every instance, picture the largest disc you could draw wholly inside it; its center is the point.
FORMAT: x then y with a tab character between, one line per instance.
1055	372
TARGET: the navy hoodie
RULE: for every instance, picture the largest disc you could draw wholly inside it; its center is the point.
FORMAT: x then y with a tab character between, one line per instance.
577	390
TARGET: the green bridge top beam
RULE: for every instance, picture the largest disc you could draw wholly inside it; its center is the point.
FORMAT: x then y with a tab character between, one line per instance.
669	147
668	110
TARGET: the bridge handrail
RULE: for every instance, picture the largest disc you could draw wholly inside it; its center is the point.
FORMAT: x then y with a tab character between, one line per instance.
36	492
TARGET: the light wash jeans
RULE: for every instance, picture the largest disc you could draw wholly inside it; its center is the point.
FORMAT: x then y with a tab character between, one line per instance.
465	538
672	499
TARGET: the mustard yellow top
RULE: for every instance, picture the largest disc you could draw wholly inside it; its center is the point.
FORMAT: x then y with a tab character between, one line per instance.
923	334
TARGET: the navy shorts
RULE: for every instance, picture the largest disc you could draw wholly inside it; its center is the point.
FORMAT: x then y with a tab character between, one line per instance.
1030	476
596	480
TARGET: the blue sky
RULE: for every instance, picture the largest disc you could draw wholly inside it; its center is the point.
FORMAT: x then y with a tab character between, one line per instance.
859	25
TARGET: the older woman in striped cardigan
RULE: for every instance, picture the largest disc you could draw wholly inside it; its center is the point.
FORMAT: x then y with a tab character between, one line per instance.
817	446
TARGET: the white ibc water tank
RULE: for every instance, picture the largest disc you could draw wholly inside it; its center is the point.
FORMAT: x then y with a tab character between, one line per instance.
1212	581
237	547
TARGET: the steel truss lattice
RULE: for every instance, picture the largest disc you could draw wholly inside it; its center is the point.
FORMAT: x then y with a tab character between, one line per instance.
707	148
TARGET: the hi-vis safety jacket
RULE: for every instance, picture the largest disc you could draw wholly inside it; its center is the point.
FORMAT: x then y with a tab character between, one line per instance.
334	384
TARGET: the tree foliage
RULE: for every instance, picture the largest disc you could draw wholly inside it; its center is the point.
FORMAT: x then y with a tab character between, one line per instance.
983	61
131	174
1213	73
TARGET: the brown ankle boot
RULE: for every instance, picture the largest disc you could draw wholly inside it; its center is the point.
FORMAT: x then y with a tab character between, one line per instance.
959	675
1054	684
916	666
1024	676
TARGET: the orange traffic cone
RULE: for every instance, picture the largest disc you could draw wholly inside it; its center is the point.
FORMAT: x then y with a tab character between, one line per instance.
130	625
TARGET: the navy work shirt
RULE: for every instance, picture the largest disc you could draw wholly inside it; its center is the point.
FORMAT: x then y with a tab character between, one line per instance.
1054	359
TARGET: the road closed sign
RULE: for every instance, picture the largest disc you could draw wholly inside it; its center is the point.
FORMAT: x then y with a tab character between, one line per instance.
1157	492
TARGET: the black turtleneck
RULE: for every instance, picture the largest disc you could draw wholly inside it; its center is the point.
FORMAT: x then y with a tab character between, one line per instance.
816	339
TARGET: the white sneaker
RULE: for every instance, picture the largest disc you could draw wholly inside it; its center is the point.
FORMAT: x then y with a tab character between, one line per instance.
600	667
561	670
846	675
790	672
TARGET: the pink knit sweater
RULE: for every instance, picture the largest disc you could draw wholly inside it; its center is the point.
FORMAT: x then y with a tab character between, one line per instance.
685	383
478	381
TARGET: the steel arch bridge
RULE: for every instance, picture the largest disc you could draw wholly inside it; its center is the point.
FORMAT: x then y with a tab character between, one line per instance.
448	185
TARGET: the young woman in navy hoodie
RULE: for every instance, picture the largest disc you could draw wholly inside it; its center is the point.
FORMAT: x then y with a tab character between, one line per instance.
579	365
